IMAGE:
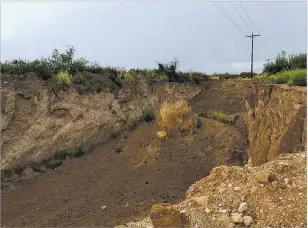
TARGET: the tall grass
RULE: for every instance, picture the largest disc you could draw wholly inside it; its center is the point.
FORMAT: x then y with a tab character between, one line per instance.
293	77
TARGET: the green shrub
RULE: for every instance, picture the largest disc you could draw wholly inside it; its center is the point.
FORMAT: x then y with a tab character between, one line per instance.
78	79
293	77
79	151
299	77
148	115
218	115
63	78
128	76
290	83
199	122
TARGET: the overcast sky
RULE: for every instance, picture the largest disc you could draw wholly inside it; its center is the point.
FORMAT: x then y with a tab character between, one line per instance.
137	34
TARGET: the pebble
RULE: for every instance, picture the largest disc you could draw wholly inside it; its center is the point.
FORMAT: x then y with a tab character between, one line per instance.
183	212
286	180
230	185
243	207
104	208
247	220
207	210
275	184
224	211
236	189
237	218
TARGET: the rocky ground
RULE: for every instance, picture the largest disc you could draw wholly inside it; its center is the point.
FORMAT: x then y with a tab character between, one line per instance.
270	195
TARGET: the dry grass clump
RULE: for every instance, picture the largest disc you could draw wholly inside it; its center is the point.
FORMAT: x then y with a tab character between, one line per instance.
176	116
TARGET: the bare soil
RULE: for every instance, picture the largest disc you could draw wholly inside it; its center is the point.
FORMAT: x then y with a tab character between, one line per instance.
128	181
147	171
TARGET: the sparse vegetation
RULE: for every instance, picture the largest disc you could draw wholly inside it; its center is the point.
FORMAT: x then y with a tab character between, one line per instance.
161	134
199	122
218	115
79	151
60	154
283	62
132	122
63	78
148	115
176	116
293	77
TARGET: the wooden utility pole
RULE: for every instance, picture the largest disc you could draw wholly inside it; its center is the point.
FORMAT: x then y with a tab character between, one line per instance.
252	37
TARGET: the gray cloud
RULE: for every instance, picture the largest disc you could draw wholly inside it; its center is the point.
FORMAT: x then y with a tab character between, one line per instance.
137	34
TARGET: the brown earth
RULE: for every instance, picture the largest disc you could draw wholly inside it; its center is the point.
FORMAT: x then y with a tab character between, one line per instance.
271	195
149	170
119	179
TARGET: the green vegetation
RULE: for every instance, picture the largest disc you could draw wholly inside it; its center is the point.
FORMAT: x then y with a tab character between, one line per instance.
293	77
63	78
283	62
148	115
79	151
219	116
199	122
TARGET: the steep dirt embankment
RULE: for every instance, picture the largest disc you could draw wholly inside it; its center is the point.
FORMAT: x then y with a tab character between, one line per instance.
276	122
263	195
37	120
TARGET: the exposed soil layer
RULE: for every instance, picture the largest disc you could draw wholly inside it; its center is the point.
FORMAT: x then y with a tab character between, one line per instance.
227	96
147	171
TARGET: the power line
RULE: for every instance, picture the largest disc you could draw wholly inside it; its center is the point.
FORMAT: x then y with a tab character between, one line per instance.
249	17
252	37
227	16
239	15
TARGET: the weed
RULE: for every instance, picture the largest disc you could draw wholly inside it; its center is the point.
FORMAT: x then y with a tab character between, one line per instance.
132	122
63	78
161	134
148	115
293	77
218	115
79	151
176	116
199	122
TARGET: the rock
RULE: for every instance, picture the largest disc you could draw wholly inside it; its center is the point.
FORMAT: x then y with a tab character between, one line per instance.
236	218
28	173
265	177
286	181
230	185
200	201
275	184
183	212
104	208
247	220
231	225
207	210
253	189
224	211
243	207
165	215
236	189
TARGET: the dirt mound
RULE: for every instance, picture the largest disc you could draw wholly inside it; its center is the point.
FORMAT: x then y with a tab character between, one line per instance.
127	175
271	195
